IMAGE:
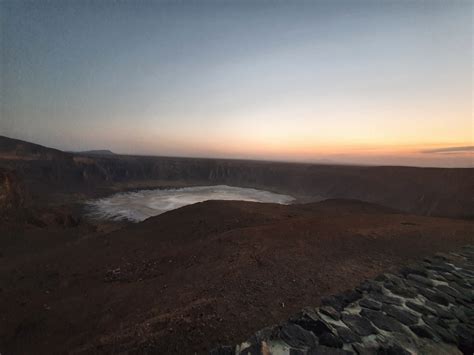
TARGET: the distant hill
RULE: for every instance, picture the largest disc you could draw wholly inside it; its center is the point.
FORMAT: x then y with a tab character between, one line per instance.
16	149
97	152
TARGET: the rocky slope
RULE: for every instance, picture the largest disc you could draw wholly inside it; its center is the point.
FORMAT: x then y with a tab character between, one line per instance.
426	308
429	191
202	275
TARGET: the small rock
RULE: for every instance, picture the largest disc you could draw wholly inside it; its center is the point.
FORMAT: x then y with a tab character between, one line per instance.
382	321
393	349
333	302
387	299
448	290
330	312
403	291
359	325
296	336
441	267
466	339
339	302
400	314
420	279
351	296
370	304
413	270
440	312
371	287
442	331
422	331
434	296
464	314
347	335
330	340
310	320
420	308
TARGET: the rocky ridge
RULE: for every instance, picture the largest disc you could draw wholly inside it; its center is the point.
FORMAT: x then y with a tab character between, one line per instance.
425	308
52	175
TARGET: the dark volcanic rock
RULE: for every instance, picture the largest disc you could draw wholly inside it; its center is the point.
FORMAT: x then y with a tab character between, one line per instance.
466	339
420	308
330	312
371	286
370	304
393	349
310	320
387	299
447	290
420	280
334	302
413	270
434	296
441	330
359	325
382	321
330	340
347	335
406	317
440	311
461	314
351	296
296	336
339	302
424	313
441	267
402	291
422	331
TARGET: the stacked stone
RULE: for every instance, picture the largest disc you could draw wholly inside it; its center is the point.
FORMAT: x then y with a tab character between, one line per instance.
425	308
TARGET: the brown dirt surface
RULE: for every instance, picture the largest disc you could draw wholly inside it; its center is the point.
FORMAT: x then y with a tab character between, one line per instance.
189	279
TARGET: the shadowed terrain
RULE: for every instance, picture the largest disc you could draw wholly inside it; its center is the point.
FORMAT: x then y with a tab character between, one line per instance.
54	176
209	273
204	274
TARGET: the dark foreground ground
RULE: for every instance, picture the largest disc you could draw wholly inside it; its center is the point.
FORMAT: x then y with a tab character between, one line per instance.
206	274
426	308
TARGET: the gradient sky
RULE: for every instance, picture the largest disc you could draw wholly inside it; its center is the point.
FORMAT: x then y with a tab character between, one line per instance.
381	82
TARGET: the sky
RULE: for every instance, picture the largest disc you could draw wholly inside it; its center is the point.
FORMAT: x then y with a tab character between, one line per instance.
360	82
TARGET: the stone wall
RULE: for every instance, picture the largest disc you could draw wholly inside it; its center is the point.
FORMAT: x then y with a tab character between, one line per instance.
426	308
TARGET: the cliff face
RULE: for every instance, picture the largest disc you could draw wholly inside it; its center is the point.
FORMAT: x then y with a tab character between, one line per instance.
12	194
428	191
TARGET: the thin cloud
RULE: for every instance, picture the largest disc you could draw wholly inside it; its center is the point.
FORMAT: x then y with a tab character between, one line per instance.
465	149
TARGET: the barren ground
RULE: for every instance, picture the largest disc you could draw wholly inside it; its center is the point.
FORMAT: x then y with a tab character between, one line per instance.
209	273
